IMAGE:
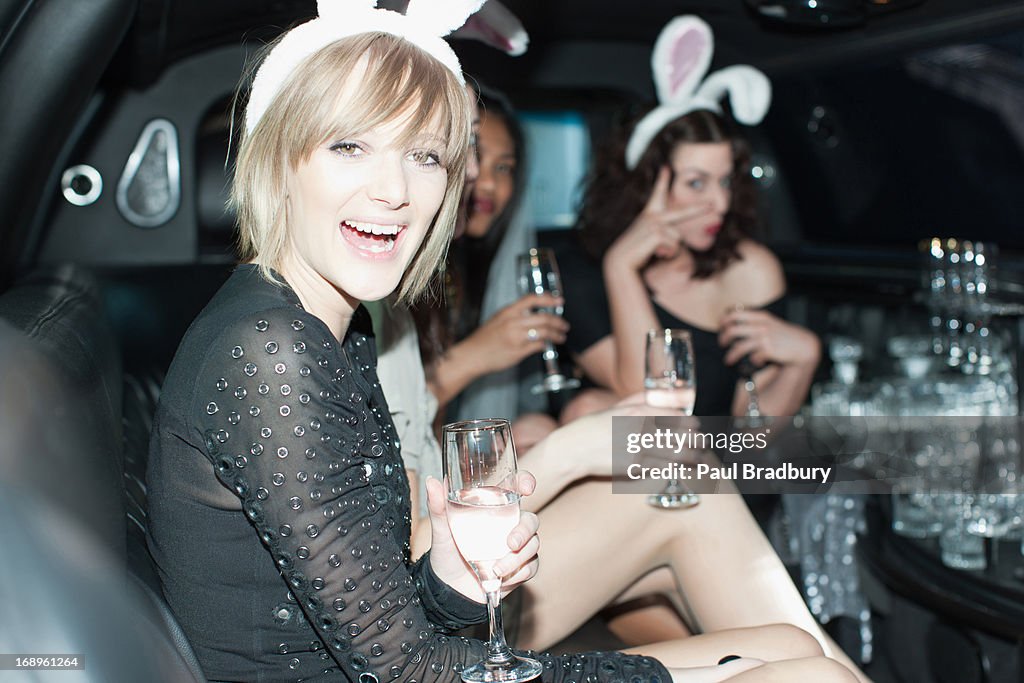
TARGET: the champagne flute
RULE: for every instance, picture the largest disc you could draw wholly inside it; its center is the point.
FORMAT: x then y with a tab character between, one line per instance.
483	508
538	274
671	382
746	368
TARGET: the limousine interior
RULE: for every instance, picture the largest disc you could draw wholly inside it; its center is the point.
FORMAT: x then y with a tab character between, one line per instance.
896	129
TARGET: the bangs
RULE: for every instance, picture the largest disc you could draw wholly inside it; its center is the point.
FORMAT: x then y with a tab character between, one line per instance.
352	86
394	80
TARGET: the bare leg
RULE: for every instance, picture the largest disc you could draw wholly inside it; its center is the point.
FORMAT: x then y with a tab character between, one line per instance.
587	402
817	669
650	619
529	428
768	643
789	654
650	611
721	562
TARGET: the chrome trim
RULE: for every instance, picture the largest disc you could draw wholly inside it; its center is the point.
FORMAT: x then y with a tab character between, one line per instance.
131	169
71	194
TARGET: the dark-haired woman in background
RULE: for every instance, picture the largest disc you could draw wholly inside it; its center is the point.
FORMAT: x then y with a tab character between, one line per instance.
668	214
489	328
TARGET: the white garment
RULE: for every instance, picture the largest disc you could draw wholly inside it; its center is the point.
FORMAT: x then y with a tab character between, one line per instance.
410	402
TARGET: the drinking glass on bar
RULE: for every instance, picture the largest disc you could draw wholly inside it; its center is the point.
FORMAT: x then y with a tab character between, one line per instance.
483	508
671	382
538	274
977	265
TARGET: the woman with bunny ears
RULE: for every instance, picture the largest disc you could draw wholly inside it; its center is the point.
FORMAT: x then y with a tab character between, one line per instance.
669	214
279	505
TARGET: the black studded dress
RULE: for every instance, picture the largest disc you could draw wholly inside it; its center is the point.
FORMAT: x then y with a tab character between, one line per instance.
279	510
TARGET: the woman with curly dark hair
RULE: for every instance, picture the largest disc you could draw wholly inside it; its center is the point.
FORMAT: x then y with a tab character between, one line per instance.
620	191
668	213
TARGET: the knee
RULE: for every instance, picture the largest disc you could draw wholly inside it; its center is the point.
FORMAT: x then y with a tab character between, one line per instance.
530	428
817	669
587	402
829	671
793	642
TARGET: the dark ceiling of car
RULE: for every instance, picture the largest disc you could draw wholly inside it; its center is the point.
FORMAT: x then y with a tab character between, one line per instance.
593	55
166	30
769	44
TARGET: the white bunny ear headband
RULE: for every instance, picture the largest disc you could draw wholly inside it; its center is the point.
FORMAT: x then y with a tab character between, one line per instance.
681	57
496	26
425	23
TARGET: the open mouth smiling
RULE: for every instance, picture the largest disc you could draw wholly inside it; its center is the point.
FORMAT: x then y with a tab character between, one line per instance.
372	239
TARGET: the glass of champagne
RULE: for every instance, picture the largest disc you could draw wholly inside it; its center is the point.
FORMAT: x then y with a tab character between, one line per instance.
671	382
483	508
538	274
746	368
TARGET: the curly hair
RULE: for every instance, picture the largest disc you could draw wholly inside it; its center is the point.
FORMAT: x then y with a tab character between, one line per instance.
614	196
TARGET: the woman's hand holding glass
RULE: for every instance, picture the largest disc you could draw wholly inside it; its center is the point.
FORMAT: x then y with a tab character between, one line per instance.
538	275
518	566
521	329
482	486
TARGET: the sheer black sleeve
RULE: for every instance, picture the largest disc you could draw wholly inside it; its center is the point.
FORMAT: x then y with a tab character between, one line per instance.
296	426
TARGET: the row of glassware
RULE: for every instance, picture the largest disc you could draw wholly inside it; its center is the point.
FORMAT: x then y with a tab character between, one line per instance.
957	435
958	282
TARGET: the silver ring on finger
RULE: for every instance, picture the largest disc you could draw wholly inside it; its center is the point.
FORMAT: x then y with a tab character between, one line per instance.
532	334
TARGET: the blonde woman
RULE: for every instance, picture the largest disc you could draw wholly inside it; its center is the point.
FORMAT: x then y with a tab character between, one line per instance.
280	514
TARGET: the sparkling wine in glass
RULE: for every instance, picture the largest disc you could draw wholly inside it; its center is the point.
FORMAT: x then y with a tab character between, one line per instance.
483	508
671	382
538	274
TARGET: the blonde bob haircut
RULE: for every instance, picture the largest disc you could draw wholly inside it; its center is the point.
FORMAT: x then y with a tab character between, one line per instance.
319	105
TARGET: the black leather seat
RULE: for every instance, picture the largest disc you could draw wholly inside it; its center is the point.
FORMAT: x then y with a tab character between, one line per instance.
62	513
59	314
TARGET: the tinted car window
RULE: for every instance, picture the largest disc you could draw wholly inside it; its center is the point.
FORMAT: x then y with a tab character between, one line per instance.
893	152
